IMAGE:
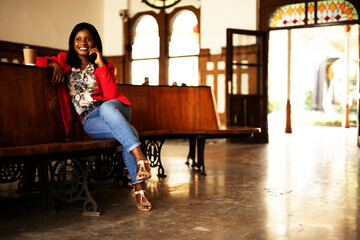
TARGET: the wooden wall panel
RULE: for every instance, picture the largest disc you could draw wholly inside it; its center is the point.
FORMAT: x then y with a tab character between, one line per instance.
25	91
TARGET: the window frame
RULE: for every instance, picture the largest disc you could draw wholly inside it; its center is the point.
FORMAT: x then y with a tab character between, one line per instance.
164	21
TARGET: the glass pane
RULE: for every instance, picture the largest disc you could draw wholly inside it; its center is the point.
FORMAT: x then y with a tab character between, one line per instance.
184	70
311	13
162	3
245	49
185	35
145	68
210	66
245	81
221	93
146	41
221	65
244	89
210	81
336	11
234	85
288	15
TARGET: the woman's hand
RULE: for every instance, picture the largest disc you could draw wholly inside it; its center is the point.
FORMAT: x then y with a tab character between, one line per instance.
58	73
98	60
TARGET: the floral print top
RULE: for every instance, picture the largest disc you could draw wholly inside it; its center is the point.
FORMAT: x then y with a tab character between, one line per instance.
81	85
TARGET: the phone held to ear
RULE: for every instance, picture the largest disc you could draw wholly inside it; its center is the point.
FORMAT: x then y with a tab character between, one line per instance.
92	57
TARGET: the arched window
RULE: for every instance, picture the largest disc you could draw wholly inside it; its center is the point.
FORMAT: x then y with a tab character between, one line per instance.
184	48
145	51
316	12
163	46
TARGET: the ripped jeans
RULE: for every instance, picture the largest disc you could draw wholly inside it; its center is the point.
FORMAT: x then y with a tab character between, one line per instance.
111	120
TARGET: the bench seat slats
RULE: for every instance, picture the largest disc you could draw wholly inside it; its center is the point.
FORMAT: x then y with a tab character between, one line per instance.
60	147
154	133
235	130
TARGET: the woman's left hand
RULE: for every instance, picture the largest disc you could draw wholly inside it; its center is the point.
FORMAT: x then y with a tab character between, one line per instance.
98	60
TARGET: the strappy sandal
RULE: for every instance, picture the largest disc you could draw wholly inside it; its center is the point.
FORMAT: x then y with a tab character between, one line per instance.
143	173
143	201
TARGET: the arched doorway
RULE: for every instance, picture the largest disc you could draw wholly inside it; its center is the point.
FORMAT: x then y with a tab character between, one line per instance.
305	14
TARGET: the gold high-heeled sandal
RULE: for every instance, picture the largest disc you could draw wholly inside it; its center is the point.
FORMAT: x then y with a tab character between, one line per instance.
143	173
143	201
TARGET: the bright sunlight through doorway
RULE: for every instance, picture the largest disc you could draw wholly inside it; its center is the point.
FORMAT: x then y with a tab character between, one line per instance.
323	75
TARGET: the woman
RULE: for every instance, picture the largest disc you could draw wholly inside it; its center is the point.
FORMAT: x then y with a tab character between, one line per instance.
87	80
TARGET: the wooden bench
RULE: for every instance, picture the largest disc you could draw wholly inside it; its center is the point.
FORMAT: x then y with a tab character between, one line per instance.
32	133
33	136
168	112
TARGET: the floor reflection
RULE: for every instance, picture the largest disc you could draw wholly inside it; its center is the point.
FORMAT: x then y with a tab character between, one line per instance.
312	184
299	186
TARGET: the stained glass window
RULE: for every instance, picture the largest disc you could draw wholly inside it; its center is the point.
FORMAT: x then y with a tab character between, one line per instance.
324	12
288	15
335	11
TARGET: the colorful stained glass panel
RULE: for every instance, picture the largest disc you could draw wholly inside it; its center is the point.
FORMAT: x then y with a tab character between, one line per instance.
324	11
335	11
288	15
311	13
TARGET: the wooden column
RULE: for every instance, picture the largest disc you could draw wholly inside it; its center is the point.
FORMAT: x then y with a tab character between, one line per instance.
346	123
164	49
288	128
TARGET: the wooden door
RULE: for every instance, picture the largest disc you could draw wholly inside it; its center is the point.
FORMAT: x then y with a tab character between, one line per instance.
246	75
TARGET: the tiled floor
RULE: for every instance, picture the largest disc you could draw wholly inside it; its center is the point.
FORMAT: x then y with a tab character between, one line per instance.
303	185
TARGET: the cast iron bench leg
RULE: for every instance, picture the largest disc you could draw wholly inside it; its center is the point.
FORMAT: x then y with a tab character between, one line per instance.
192	150
43	174
152	151
201	148
70	184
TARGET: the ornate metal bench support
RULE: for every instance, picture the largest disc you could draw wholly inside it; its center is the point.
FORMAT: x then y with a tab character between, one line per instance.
152	150
69	182
11	171
110	165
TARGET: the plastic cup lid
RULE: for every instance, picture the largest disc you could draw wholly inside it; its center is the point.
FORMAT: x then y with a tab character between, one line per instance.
30	47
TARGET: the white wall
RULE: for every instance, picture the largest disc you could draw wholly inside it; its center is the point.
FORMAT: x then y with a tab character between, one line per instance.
113	27
47	22
217	16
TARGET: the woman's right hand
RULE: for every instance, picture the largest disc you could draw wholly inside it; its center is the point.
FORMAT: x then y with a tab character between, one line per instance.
58	73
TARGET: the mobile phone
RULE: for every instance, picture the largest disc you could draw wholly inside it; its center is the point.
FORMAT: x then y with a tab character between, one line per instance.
92	57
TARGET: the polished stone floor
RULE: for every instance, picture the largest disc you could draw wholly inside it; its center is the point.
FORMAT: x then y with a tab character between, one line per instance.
303	185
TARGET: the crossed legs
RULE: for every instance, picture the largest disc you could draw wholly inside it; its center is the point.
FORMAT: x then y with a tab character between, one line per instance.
111	120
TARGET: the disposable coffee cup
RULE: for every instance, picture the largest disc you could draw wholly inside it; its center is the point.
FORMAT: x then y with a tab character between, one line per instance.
30	55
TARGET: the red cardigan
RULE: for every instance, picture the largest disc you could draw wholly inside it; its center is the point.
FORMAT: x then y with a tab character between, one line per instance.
105	79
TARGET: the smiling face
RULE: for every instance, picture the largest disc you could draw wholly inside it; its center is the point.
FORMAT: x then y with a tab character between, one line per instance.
83	42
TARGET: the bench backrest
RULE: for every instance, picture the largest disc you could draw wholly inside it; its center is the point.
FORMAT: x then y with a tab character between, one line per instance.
171	108
29	106
30	111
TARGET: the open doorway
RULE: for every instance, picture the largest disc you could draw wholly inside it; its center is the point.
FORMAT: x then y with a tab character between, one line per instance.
323	75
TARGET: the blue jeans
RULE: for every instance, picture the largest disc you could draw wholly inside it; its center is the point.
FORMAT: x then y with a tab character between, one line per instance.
111	120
